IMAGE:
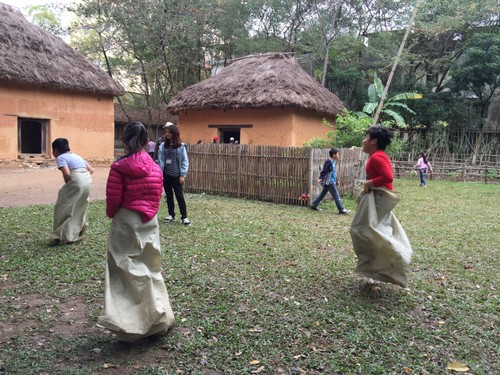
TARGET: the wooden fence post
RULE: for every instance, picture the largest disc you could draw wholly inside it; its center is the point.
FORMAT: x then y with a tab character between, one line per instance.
310	177
238	171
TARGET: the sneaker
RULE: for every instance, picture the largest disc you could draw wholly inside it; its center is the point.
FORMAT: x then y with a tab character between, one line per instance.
316	208
344	212
186	222
168	219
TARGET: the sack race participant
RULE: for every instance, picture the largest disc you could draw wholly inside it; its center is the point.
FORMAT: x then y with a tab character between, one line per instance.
136	302
70	211
379	241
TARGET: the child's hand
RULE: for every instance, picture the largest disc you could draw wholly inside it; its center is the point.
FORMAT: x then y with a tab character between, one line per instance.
319	180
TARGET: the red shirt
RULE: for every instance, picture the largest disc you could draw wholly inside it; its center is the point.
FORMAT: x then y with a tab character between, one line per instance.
379	170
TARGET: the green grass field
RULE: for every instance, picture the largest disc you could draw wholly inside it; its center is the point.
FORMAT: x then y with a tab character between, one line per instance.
264	288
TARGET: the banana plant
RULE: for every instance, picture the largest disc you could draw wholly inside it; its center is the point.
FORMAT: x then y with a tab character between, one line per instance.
391	106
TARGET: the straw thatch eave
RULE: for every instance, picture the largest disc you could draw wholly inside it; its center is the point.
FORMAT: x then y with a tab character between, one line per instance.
258	82
31	56
159	116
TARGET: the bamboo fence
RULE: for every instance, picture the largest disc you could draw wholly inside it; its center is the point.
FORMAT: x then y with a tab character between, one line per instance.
284	175
453	171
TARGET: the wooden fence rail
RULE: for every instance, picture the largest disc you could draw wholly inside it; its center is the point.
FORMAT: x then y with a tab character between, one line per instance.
287	174
451	171
267	173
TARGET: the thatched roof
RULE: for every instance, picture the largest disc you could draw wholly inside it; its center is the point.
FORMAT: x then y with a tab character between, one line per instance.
260	81
32	56
159	116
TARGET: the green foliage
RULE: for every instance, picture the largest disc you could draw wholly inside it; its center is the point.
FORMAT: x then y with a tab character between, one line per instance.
345	69
351	130
478	74
392	105
47	16
397	146
318	142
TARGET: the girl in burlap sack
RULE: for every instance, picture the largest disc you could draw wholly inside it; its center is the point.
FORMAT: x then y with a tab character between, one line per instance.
136	302
70	211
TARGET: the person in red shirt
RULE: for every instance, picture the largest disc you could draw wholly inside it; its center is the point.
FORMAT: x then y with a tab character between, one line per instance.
378	167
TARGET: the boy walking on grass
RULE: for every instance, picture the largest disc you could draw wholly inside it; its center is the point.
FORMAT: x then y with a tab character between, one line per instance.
328	179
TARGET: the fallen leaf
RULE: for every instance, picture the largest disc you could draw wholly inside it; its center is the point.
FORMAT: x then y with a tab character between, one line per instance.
238	354
298	356
457	366
408	370
260	369
109	365
254	362
256	330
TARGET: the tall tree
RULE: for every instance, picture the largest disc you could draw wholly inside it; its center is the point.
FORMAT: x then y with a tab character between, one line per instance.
47	16
478	73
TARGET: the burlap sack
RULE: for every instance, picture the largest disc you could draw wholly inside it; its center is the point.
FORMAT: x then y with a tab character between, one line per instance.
380	242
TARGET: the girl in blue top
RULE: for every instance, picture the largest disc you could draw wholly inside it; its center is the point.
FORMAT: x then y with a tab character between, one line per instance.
174	163
330	184
70	211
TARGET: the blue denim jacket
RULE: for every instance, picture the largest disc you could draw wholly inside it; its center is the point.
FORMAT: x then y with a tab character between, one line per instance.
182	157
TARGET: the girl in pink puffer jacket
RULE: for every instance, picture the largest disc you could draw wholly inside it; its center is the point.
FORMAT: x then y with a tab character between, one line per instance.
136	302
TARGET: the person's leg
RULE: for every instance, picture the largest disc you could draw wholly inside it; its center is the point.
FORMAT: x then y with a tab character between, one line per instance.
168	186
422	177
314	205
336	197
179	195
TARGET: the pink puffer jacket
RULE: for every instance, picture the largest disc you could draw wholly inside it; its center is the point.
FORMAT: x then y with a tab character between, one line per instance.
135	182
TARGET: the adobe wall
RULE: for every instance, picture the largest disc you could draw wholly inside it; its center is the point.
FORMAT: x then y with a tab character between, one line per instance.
277	127
87	121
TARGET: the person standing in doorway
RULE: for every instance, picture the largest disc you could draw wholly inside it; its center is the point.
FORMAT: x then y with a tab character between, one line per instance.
329	181
174	163
70	211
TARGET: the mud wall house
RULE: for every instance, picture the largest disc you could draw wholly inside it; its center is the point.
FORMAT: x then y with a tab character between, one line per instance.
262	100
153	118
48	90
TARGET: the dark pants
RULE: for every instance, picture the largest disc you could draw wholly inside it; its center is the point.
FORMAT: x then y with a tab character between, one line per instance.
172	185
332	188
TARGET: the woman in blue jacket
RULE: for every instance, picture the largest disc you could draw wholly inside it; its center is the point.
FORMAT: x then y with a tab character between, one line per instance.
174	163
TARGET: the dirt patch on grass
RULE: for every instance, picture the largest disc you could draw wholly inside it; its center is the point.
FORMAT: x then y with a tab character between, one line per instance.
27	183
40	323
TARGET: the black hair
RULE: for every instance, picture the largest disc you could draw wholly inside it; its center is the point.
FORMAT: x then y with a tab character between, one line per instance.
61	145
333	151
176	141
424	157
135	136
382	135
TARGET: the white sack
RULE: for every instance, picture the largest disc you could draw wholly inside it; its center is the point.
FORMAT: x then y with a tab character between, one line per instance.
136	302
70	211
380	242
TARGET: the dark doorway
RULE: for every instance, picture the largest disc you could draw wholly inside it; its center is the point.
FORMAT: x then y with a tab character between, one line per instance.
227	134
32	137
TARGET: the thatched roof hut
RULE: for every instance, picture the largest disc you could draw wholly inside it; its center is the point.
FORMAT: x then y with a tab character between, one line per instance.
32	56
266	81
